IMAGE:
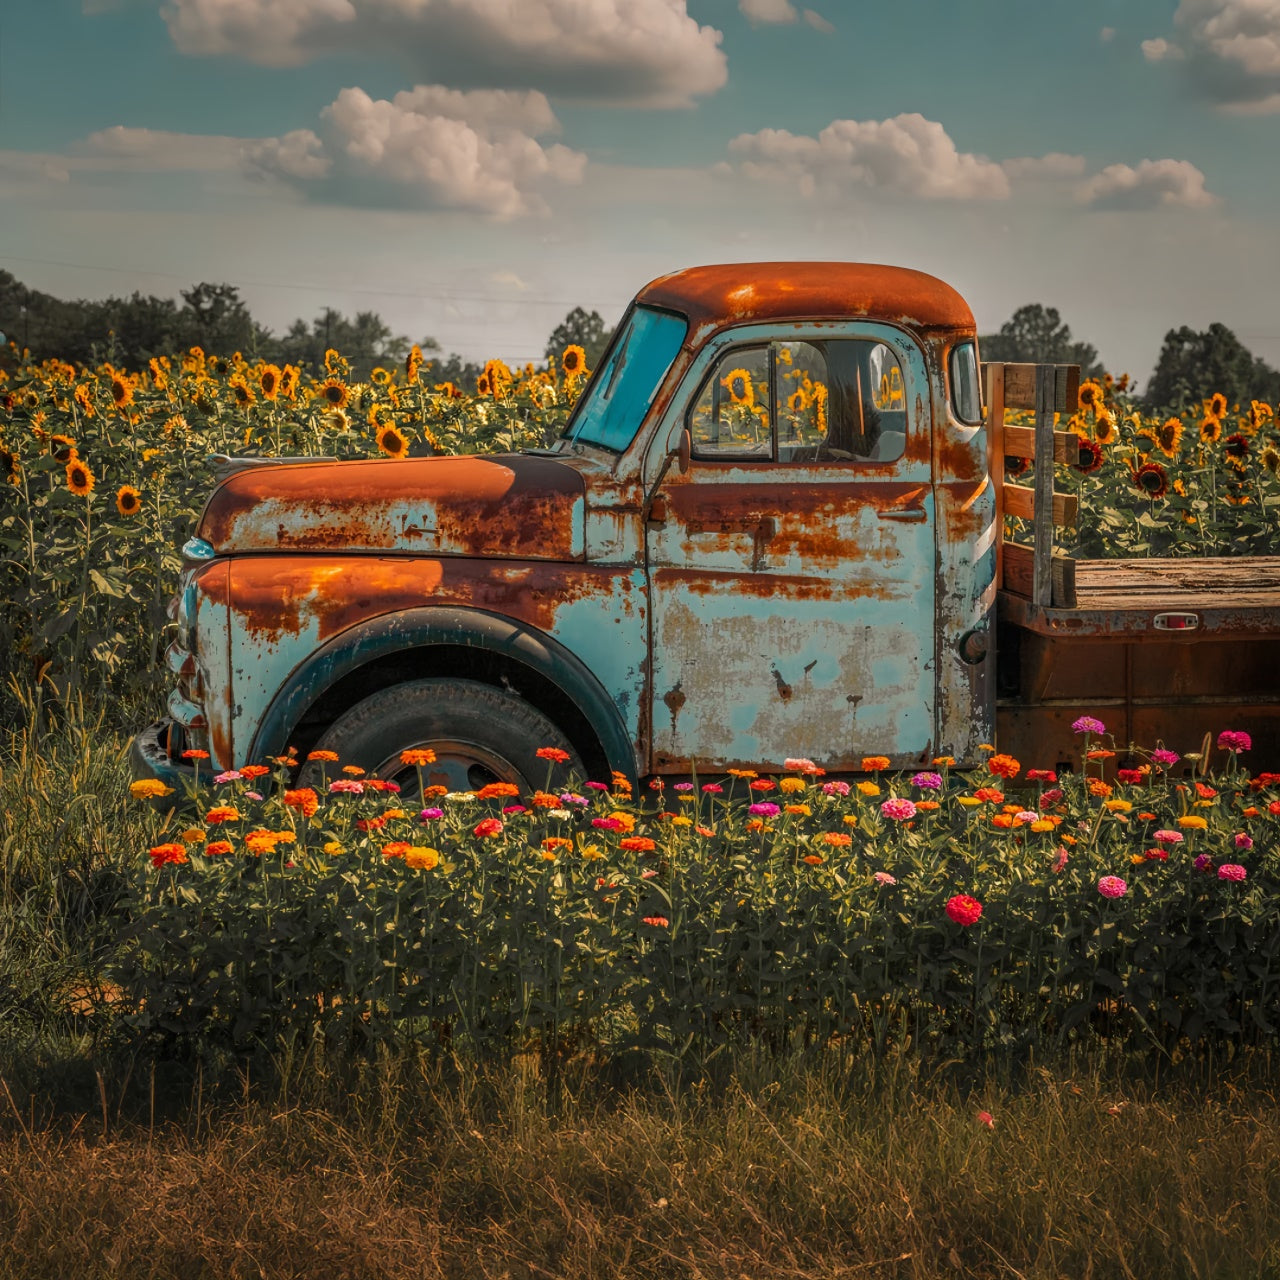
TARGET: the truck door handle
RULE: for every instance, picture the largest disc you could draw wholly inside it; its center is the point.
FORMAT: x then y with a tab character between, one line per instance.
909	515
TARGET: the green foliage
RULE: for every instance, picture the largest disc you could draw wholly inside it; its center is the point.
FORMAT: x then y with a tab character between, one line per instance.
588	921
1036	335
1193	366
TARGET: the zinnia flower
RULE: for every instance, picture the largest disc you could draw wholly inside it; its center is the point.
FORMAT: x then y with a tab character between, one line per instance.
1231	871
657	922
350	785
637	844
764	808
1168	837
1243	841
552	753
488	827
149	789
927	781
168	853
304	800
1234	740
873	764
883	877
964	910
420	858
1087	724
1162	756
1112	887
1004	766
898	809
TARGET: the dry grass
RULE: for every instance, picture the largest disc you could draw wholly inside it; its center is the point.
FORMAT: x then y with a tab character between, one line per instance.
791	1171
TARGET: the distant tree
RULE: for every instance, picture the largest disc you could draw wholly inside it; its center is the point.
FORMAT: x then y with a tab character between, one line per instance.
1036	335
219	320
464	374
584	328
365	342
1192	366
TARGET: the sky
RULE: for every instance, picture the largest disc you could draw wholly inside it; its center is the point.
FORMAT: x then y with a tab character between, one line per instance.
472	169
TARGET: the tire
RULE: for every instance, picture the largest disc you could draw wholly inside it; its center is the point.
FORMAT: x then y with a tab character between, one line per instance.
479	734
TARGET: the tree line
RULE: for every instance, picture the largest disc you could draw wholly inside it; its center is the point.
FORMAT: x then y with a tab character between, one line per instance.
129	331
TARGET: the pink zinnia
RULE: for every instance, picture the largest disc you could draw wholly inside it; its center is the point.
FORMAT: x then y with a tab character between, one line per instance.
713	788
1112	887
487	827
1234	740
964	910
230	776
1061	860
1243	841
898	809
835	788
1168	837
1026	815
347	784
1231	871
684	786
764	809
883	877
800	765
1087	724
1162	756
604	786
607	824
985	1117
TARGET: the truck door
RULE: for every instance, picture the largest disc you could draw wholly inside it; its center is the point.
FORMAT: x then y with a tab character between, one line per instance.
791	568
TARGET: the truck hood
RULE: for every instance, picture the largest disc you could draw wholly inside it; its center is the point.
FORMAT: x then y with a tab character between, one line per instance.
503	505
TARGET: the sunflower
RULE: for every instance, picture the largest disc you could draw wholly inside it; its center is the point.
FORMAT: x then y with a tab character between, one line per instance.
1180	487
9	467
380	377
128	500
1168	437
797	401
121	390
1104	429
1271	460
63	449
1015	466
1090	457
392	442
175	424
413	363
379	415
333	391
1259	414
1236	450
242	392
336	420
79	478
1090	394
482	385
269	381
289	381
500	378
447	389
82	400
574	360
1152	479
1210	429
738	385
1216	407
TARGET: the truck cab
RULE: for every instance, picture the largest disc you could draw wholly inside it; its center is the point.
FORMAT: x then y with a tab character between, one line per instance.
770	529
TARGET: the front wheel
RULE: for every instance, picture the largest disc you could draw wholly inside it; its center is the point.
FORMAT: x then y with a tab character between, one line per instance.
479	735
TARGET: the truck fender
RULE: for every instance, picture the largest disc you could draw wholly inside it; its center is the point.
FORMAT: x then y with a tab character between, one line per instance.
443	625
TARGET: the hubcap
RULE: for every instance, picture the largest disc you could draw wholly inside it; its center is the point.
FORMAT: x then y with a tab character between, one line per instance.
459	766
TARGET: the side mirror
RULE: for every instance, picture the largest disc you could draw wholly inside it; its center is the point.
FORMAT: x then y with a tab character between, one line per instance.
684	450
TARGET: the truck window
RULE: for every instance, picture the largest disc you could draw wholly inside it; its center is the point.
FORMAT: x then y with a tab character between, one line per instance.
622	388
840	400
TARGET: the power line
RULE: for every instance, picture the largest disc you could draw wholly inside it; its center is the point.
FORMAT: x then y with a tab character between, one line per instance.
441	296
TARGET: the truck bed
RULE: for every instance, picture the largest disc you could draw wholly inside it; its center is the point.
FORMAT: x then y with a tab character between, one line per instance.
1107	658
1121	598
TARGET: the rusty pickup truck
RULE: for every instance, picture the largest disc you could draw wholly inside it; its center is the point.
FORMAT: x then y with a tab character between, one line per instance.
773	527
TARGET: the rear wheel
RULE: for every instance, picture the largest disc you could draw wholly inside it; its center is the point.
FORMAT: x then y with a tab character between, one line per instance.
479	735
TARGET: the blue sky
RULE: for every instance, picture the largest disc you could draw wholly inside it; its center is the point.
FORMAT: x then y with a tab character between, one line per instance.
473	168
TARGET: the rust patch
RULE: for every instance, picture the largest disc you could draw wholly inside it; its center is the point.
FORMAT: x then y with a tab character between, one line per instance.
784	689
276	596
714	297
675	700
501	505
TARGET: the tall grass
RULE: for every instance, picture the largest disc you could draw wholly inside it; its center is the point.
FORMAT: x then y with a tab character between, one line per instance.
771	1167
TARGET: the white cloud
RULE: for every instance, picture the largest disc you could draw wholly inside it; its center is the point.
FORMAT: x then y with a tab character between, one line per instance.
635	52
298	155
818	22
770	11
1153	184
431	146
1053	166
1231	51
1160	50
906	155
1107	35
162	151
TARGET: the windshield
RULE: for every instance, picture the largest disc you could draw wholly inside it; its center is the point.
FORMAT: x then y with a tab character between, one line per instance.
622	388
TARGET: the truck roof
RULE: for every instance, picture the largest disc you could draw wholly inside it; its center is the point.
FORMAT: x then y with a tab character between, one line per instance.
732	293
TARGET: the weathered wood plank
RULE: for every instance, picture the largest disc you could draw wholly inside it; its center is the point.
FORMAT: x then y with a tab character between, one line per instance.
1020	387
1019	575
1020	442
1020	501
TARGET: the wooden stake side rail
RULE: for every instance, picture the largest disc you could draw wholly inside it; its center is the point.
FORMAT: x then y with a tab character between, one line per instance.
1037	573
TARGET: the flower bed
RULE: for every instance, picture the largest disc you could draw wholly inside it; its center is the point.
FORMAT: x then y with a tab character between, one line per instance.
957	913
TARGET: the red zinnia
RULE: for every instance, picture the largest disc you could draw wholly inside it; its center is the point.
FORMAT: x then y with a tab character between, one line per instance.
964	910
